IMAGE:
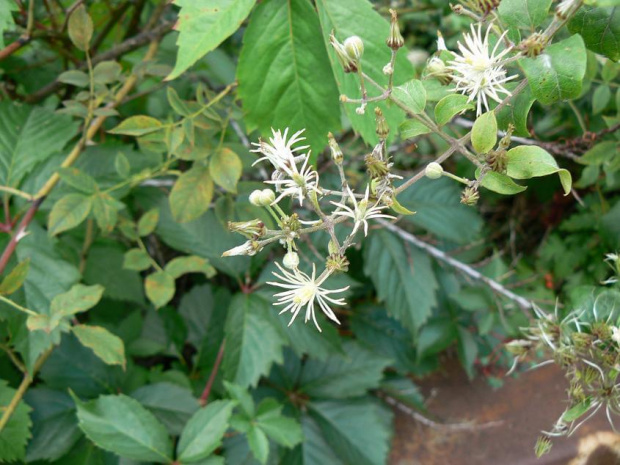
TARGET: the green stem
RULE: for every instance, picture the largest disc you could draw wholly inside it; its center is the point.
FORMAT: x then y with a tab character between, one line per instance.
17	306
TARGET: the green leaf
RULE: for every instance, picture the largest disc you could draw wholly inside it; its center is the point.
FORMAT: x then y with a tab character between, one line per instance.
283	430
484	132
315	449
203	25
253	341
204	431
105	210
524	13
403	277
467	350
78	299
345	427
69	212
284	75
439	210
107	72
15	435
74	77
119	424
358	17
516	112
176	103
55	430
121	164
412	94
148	222
412	128
450	106
500	183
174	414
600	29
259	444
29	136
600	154
191	195
6	19
14	280
530	161
345	375
225	168
78	180
136	259
107	346
159	288
137	126
192	264
80	28
600	99
557	73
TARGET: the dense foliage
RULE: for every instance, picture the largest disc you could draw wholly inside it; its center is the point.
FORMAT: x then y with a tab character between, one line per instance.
459	184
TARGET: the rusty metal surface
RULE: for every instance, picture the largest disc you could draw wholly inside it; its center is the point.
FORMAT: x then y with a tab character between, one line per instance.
523	406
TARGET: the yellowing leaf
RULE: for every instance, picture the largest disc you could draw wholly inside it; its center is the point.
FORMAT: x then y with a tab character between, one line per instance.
191	194
107	346
225	168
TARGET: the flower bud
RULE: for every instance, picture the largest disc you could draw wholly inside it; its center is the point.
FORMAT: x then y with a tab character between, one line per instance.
470	196
267	197
543	446
361	109
248	248
348	64
336	151
382	127
291	260
441	43
337	263
395	40
250	229
255	197
438	69
354	47
433	171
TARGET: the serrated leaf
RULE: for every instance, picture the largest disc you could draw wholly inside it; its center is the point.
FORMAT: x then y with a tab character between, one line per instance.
530	161
137	126
284	74
119	424
6	19
557	73
105	210
179	266
450	106
524	13
439	210
225	168
16	432
253	341
148	222
203	25
337	16
412	94
14	280
484	132
344	426
467	350
173	414
191	195
284	430
80	28
69	212
55	430
159	288
346	375
28	136
107	346
259	444
204	431
404	278
600	29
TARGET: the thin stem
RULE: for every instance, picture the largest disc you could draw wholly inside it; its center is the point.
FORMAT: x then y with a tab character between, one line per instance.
14	358
17	192
23	387
17	306
580	119
204	397
151	259
88	240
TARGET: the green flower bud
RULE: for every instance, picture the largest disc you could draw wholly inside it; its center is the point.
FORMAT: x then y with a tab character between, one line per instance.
354	47
255	198
291	260
433	171
267	197
395	40
336	151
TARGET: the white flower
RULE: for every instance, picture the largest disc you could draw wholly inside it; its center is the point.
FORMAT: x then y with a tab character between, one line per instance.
615	334
287	178
477	72
360	213
302	291
441	43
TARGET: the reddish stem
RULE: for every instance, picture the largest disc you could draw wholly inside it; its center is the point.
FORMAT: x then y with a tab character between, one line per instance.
19	233
207	390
